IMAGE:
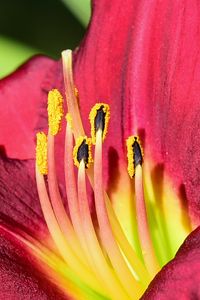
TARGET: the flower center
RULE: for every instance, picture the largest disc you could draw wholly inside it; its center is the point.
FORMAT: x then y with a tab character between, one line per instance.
98	254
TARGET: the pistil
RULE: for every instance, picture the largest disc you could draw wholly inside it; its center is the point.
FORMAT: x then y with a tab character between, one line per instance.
71	94
71	188
55	114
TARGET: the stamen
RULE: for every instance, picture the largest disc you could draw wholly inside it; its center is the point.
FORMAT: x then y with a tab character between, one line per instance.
55	111
82	151
78	127
134	154
99	119
71	189
106	273
135	160
99	125
57	204
41	152
62	245
132	287
125	246
143	227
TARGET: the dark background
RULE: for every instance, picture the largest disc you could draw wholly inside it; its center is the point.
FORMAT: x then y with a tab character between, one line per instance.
45	26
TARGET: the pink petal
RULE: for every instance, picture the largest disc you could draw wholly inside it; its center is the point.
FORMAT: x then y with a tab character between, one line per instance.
19	203
180	278
20	276
23	97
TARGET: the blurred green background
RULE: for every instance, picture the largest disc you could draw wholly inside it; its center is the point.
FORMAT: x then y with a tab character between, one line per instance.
28	27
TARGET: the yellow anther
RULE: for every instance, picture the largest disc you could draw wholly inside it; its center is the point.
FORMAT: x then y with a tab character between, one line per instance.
134	154
99	118
69	120
82	151
55	111
41	153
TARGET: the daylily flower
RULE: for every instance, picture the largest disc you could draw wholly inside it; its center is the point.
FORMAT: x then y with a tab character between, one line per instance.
106	228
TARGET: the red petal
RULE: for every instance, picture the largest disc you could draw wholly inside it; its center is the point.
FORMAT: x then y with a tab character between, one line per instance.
23	97
19	275
180	278
19	203
143	58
